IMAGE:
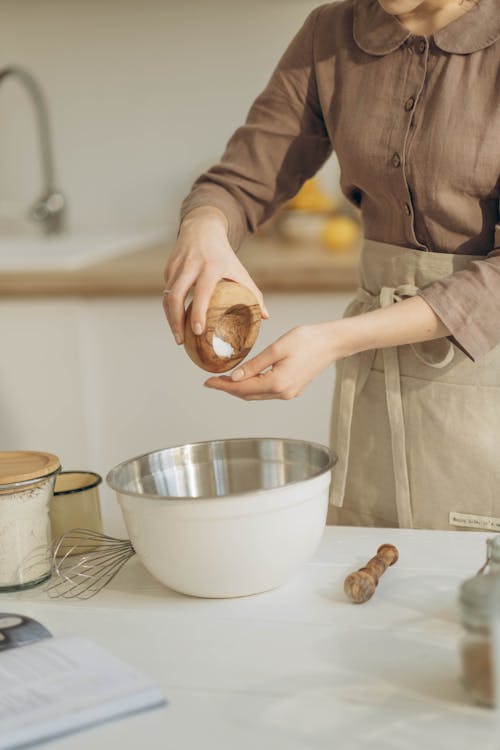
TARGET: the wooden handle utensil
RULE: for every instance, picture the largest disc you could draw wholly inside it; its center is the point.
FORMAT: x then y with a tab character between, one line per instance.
360	586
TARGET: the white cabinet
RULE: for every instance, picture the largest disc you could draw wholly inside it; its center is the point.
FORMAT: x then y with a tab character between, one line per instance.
97	381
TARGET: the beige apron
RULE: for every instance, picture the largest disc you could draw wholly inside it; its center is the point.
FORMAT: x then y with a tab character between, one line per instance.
416	428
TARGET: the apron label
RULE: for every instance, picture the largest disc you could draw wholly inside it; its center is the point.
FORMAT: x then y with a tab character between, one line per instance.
469	521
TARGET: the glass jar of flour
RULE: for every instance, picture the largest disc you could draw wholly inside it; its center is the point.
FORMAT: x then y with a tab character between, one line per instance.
26	486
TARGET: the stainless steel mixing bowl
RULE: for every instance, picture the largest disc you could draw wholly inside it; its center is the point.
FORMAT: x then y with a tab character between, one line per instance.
225	517
221	467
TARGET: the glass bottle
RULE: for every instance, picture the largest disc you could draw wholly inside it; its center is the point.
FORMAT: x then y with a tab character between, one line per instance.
492	564
480	645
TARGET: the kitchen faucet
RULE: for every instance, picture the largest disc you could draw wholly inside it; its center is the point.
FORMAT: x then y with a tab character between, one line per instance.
48	210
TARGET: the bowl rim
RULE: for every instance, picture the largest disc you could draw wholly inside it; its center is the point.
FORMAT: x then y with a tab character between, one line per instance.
333	458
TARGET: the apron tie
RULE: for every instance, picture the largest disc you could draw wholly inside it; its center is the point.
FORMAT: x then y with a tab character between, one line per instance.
355	372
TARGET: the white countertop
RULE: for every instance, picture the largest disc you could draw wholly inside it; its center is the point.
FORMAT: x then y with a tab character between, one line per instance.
296	668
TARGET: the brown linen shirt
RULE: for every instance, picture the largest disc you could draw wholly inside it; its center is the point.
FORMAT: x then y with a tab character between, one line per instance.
415	124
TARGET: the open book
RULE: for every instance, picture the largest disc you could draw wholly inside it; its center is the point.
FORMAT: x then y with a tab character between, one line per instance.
59	685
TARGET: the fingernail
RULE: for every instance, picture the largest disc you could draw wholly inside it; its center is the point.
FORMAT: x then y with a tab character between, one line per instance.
178	338
197	329
237	374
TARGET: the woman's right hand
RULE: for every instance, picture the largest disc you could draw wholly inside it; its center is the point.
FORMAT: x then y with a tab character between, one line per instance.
200	258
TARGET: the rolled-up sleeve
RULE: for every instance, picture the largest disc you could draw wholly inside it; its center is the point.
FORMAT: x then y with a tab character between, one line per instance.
283	142
468	303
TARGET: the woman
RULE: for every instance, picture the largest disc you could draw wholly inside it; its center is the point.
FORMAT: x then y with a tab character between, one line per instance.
406	92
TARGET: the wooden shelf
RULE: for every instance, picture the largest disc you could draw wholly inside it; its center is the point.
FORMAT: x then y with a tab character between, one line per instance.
274	266
279	266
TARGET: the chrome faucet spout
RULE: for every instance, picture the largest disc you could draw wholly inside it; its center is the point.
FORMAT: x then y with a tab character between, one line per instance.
49	208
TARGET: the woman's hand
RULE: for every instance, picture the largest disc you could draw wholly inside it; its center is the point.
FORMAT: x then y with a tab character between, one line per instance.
201	257
285	368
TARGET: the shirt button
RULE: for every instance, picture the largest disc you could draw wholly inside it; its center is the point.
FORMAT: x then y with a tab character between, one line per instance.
407	209
409	103
421	46
396	160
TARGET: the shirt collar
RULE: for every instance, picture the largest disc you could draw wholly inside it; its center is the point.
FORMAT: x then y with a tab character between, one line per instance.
379	33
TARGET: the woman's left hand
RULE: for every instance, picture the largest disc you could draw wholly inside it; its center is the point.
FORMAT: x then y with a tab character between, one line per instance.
283	369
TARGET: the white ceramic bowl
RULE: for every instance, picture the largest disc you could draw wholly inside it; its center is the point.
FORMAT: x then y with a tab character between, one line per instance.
228	517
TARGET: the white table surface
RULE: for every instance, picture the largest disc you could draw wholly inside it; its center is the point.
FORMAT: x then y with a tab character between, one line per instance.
295	668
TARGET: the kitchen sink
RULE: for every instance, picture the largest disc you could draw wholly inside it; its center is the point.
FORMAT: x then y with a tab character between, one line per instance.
71	251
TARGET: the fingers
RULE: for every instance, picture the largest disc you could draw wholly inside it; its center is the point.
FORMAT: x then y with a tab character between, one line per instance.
263	377
250	390
272	384
258	364
243	277
203	291
248	282
174	303
185	270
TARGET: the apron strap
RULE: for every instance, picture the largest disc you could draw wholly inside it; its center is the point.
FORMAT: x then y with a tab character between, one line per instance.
354	373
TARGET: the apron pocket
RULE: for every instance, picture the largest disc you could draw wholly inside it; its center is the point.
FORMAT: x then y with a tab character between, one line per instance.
452	447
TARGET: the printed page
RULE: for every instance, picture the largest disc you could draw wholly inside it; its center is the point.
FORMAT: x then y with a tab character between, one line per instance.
59	685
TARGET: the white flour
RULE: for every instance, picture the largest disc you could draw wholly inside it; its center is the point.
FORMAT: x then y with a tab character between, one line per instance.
25	534
222	348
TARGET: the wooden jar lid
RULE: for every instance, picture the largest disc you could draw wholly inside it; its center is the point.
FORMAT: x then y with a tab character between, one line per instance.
21	466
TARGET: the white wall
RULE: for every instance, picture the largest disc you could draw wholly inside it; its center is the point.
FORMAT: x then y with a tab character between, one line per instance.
143	95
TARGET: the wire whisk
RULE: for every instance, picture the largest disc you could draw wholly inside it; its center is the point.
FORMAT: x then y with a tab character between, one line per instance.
85	561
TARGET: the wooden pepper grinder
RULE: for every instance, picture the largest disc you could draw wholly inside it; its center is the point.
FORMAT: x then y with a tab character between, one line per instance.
360	586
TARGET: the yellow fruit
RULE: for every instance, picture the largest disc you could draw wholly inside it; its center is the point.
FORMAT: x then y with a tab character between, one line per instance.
340	233
312	198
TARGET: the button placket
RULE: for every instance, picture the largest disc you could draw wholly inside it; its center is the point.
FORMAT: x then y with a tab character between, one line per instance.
422	62
418	68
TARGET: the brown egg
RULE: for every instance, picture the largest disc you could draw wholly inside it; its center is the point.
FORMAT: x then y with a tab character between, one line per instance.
233	323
